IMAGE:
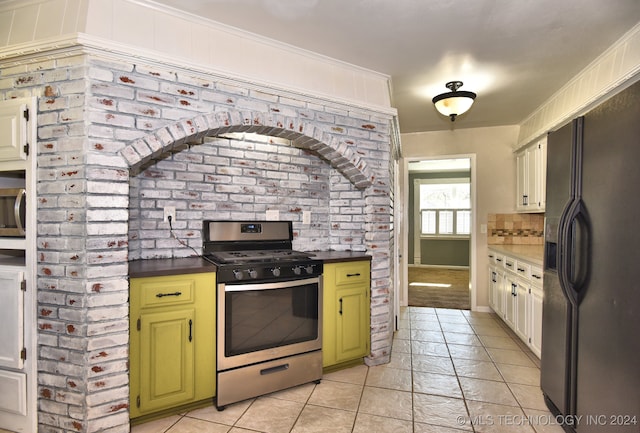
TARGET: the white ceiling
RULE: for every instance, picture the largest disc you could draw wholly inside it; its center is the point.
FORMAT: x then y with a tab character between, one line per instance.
513	53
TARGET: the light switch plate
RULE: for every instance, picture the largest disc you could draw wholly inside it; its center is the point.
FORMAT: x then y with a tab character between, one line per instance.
306	217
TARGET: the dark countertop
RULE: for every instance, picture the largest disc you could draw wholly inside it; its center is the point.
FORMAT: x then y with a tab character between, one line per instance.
340	256
162	267
196	265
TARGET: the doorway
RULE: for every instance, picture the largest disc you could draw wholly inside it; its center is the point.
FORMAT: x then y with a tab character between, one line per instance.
438	235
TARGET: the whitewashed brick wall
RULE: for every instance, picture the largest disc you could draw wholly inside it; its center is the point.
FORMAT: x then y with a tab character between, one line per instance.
118	141
229	179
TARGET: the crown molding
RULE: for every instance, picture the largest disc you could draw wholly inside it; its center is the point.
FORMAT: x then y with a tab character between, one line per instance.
611	80
82	43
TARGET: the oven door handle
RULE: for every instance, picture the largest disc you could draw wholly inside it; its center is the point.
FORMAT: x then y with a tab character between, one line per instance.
268	286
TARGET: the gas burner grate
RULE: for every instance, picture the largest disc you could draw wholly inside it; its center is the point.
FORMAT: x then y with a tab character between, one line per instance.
256	256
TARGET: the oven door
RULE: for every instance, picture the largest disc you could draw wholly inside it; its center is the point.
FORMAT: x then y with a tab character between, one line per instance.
264	321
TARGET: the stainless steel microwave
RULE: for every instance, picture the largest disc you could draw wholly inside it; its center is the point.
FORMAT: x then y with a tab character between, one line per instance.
12	211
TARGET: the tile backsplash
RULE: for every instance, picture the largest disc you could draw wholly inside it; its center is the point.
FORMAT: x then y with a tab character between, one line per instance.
515	229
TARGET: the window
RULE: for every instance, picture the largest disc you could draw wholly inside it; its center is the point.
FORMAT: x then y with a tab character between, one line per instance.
444	206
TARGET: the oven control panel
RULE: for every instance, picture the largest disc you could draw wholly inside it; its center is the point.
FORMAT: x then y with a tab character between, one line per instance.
268	271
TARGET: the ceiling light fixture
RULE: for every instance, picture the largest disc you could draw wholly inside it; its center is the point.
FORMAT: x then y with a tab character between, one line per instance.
455	102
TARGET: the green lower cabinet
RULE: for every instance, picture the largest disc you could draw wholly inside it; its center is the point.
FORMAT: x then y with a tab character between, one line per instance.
172	342
167	359
346	312
352	333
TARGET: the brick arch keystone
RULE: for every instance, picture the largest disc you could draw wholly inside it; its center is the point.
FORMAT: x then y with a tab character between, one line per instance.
303	134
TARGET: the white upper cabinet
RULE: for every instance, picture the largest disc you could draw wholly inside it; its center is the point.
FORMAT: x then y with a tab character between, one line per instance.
14	115
531	168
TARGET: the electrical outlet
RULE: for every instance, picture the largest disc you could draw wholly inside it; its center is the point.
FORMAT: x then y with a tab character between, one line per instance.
169	211
306	217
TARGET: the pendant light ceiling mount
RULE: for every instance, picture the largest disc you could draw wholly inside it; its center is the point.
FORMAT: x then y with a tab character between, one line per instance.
455	102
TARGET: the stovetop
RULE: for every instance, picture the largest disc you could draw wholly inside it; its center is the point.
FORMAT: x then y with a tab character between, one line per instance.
256	251
287	265
257	256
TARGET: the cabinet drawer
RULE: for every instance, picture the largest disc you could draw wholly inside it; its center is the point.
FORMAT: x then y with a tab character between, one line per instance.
510	264
352	273
156	292
536	276
492	258
523	269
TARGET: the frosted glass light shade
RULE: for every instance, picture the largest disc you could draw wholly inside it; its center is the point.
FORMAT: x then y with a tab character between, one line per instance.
454	103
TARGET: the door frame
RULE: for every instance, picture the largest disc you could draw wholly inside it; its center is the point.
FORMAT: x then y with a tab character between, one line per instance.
403	265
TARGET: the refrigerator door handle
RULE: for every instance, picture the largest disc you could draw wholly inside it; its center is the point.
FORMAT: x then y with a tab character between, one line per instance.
575	255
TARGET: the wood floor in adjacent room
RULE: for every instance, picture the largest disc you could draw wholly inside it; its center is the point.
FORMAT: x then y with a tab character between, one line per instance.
456	296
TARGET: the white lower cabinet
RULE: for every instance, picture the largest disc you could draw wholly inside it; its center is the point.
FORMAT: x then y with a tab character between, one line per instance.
13	380
13	398
515	294
535	309
522	319
496	277
495	289
511	301
11	317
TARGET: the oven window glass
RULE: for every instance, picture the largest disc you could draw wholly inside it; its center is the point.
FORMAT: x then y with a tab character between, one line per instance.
264	319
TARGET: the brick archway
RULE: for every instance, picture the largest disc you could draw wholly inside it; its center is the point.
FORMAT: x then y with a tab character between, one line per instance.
337	150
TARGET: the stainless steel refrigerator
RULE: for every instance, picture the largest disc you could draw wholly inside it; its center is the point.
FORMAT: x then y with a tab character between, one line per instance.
590	364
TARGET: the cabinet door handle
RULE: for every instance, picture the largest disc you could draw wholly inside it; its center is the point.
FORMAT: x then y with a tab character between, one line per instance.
353	275
190	329
161	295
340	311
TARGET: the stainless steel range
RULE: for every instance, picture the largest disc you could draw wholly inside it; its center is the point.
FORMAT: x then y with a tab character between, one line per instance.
269	305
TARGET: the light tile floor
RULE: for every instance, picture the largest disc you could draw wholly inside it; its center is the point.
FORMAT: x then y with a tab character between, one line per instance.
451	371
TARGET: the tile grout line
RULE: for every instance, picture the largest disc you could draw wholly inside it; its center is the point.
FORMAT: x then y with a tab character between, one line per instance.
464	399
364	385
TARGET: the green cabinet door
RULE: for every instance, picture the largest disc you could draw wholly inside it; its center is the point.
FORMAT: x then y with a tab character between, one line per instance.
352	333
166	359
346	312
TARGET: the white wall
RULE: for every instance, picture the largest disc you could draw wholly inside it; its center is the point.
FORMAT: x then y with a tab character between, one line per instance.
495	178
